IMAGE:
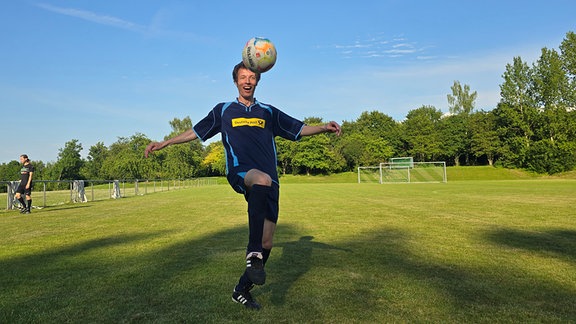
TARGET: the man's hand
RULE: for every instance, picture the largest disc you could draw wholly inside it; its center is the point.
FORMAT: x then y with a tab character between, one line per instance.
333	127
154	146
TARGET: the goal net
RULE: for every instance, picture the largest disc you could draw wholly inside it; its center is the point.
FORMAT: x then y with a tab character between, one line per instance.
403	172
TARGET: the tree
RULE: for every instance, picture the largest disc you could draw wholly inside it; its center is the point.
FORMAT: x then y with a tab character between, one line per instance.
285	151
461	101
125	159
215	159
183	160
352	147
375	151
455	136
96	157
422	133
550	157
516	113
316	154
69	162
10	171
484	137
379	125
180	125
364	150
551	87
550	81
568	55
313	155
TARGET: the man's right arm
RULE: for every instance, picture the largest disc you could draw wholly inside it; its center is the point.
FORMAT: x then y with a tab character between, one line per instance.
185	137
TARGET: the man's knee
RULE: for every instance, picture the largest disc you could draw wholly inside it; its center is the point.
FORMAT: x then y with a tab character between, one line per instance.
257	177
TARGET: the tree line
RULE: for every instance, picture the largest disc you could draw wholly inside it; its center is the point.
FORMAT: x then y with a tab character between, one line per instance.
533	127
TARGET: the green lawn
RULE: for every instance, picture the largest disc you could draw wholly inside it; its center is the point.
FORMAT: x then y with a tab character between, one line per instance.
462	251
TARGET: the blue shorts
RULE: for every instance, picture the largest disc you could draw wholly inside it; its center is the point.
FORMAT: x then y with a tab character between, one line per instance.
236	181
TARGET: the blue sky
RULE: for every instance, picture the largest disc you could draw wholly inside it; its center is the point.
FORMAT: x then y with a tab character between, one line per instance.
99	70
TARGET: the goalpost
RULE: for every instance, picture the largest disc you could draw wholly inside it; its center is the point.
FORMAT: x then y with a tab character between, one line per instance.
403	170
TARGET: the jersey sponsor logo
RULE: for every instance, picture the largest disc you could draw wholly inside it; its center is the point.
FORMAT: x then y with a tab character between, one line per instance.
251	122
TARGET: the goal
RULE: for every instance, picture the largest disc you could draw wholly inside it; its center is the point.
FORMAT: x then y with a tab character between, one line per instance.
403	172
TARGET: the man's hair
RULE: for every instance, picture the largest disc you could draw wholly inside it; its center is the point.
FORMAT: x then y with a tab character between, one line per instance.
25	157
238	67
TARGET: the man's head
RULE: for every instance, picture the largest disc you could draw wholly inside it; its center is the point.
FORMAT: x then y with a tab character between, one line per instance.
24	158
245	80
239	66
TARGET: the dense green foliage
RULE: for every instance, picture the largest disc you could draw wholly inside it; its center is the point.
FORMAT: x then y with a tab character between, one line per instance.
533	127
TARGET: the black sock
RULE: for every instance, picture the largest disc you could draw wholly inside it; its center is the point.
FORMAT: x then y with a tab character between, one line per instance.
29	204
266	255
257	209
22	202
243	283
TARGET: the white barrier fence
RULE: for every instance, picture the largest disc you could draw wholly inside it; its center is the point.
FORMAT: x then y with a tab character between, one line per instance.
53	192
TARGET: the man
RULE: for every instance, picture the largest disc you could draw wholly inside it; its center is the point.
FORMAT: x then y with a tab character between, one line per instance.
248	128
25	186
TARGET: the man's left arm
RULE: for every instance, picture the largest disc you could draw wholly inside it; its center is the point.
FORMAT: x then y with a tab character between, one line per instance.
30	174
330	127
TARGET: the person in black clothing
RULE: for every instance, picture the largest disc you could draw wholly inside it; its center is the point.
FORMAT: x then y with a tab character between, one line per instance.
26	185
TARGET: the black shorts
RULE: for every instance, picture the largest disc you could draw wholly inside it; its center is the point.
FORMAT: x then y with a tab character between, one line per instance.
23	191
236	181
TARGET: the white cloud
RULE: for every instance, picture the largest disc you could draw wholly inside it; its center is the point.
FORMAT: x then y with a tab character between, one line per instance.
380	47
152	30
95	18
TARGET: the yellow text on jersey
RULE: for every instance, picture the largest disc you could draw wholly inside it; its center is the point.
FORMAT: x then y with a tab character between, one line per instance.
252	122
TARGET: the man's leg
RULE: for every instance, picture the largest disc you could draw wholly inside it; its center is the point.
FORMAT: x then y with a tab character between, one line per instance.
258	201
19	197
263	214
257	209
259	193
267	242
241	293
28	203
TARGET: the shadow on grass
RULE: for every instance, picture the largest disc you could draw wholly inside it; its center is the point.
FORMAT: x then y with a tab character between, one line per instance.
125	277
559	243
294	262
157	276
491	293
26	269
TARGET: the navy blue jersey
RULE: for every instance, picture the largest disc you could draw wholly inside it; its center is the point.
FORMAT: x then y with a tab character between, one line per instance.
248	135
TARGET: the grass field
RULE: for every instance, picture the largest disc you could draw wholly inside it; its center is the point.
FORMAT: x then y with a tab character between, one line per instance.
463	251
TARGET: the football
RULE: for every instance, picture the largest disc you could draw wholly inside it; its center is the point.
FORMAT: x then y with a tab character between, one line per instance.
259	55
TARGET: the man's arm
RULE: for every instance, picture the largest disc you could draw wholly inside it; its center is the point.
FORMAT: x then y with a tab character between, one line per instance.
331	127
30	174
185	137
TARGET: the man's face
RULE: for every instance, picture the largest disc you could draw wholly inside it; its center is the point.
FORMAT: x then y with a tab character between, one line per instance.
246	83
